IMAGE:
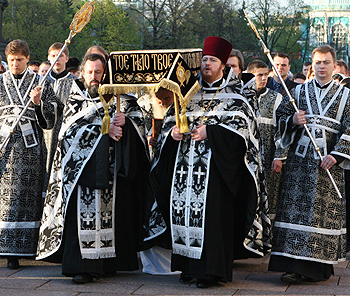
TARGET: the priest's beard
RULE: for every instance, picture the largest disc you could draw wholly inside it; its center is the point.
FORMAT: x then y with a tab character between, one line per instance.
92	89
158	110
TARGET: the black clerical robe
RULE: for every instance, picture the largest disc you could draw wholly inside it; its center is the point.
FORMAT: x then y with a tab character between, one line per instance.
215	186
22	161
269	100
61	84
309	233
97	182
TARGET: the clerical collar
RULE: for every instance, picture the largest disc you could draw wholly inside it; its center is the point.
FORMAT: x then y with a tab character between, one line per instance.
324	85
216	83
58	76
19	76
261	91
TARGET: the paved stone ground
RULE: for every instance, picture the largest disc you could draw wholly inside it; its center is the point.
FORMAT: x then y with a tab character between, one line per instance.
250	277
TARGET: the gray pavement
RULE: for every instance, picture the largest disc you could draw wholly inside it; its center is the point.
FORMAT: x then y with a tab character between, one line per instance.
250	277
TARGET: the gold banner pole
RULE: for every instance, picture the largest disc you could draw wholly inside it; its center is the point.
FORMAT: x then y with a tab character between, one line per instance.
118	107
81	18
177	110
267	52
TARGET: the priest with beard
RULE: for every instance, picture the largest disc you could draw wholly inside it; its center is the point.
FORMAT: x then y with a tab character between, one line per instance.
93	213
211	176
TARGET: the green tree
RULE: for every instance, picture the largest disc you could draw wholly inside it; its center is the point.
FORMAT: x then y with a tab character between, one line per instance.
241	35
208	18
177	11
280	27
36	22
184	24
109	27
68	12
43	22
153	23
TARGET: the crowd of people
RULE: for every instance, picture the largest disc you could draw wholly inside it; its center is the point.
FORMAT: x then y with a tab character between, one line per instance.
262	169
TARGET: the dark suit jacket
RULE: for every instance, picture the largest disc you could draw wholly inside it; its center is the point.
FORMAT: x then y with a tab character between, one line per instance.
289	83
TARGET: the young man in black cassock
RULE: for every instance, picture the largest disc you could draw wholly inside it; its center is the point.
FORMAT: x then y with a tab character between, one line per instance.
212	176
309	232
61	82
22	157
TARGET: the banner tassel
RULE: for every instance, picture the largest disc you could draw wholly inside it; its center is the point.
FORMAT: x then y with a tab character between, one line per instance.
183	123
106	122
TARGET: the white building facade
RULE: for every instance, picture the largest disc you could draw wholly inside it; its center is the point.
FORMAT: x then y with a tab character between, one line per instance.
329	24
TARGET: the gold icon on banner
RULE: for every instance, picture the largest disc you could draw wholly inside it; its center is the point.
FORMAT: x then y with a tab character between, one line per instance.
182	75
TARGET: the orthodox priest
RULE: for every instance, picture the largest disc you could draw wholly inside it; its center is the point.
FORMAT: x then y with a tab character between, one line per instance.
211	176
22	158
61	81
268	101
309	234
93	213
